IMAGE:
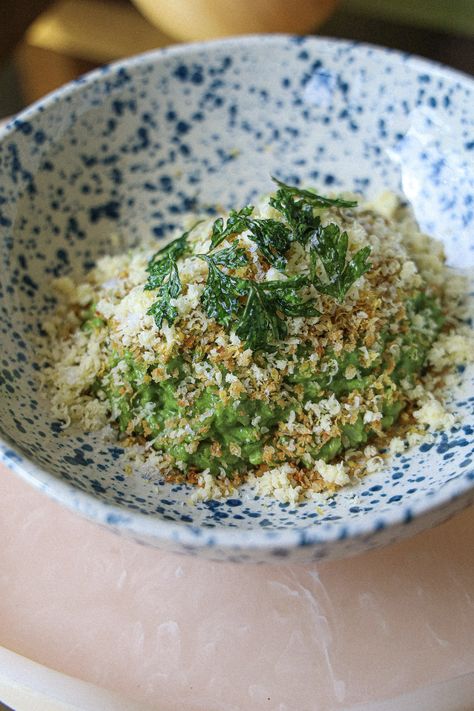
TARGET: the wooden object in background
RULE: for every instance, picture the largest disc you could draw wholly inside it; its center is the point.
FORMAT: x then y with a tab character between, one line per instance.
74	36
190	20
41	71
95	30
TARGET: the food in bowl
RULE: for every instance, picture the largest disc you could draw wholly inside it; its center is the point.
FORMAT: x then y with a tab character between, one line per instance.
289	345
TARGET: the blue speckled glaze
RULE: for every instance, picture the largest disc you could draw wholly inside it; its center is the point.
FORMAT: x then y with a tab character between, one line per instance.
128	150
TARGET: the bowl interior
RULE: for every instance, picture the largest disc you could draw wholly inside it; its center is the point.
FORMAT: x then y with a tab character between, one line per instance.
131	149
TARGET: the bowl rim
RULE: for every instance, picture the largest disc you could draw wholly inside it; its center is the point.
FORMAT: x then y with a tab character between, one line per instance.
150	526
74	86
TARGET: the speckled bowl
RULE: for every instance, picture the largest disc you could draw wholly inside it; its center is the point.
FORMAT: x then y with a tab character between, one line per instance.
127	150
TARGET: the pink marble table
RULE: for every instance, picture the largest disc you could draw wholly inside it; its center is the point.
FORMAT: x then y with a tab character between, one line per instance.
189	635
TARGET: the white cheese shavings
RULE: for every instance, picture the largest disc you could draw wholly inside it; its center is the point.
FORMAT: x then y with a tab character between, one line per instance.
434	414
332	473
276	483
452	349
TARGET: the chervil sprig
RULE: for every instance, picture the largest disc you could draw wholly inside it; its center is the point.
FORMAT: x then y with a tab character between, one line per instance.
235	224
272	236
286	299
258	310
163	277
231	257
255	309
222	295
329	246
273	240
298	214
163	309
261	324
311	197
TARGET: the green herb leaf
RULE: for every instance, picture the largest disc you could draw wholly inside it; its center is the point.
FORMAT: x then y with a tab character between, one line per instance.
272	236
158	271
298	214
260	324
315	199
162	309
236	224
285	298
329	245
222	294
289	302
273	239
163	276
276	285
158	265
232	257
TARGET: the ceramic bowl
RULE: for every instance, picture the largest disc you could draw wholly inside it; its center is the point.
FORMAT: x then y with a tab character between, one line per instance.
131	148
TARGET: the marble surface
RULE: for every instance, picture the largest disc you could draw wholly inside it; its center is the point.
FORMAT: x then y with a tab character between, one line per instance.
180	633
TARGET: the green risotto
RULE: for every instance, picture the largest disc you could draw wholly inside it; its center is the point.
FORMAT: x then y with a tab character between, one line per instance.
240	429
286	339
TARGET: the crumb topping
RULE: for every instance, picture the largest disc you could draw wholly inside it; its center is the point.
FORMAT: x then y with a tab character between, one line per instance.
194	403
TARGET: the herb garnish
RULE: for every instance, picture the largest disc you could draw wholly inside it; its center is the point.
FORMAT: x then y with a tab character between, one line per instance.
262	323
273	240
298	214
163	276
313	198
329	245
222	293
258	310
236	224
231	257
259	324
255	307
272	236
